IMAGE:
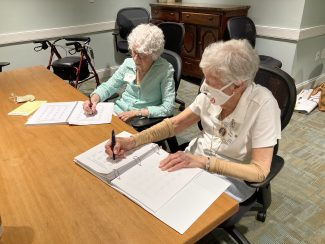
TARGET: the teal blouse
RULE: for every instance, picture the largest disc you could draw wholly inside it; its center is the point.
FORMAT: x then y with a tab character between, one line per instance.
156	91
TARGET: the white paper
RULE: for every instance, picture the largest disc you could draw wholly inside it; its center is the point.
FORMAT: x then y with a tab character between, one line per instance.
103	115
71	113
176	198
52	113
151	186
191	202
306	103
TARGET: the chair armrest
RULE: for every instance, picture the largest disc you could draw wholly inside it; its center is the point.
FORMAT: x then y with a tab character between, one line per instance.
142	123
4	64
276	166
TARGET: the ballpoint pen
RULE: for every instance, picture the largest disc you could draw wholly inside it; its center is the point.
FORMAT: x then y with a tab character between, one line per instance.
90	102
113	143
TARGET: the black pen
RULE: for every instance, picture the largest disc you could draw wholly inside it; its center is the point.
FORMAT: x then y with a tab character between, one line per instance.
90	102
113	143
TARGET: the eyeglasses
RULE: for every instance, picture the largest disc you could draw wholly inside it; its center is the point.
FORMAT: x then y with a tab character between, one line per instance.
138	55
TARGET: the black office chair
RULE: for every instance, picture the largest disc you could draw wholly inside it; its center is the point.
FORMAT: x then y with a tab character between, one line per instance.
126	20
141	123
283	89
2	64
242	27
174	36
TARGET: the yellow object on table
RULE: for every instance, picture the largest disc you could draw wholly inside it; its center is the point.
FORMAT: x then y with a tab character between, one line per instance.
27	108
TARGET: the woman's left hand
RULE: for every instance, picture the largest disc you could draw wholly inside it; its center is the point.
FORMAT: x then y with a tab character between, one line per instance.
127	115
180	160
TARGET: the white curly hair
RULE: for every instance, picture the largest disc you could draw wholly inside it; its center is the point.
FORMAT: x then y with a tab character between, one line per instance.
233	60
147	39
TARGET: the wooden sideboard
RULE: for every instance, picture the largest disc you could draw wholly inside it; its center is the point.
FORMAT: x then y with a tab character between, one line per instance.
204	24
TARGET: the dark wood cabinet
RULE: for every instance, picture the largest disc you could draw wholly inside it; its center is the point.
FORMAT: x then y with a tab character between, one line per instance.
204	24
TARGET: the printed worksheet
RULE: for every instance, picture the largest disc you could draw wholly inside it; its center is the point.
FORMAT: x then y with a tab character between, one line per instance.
70	113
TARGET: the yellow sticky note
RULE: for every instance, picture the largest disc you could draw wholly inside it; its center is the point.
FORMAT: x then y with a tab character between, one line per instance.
27	108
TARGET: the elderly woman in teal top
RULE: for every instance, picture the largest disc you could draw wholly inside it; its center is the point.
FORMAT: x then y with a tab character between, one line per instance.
150	88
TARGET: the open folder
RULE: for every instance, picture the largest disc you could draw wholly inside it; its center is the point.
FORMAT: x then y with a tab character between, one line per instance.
70	113
177	198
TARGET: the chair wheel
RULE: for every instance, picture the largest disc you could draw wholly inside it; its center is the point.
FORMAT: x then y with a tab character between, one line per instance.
261	216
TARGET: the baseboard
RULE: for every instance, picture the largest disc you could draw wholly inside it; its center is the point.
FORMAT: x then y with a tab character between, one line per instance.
311	83
292	34
105	73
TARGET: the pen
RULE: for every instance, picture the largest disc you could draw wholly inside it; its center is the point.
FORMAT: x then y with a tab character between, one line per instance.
90	103
113	143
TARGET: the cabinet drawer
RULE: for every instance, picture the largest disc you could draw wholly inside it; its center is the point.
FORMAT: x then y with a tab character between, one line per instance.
191	67
201	19
165	15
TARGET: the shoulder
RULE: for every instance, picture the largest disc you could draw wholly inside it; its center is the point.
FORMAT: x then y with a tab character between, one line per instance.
128	62
261	95
201	101
162	63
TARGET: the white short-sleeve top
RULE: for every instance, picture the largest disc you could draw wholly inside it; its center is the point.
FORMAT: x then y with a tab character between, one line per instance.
255	123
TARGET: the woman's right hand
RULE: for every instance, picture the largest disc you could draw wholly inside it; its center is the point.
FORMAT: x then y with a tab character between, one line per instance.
89	107
122	145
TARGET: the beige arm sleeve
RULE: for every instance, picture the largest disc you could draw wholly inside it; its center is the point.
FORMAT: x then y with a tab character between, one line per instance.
158	132
255	171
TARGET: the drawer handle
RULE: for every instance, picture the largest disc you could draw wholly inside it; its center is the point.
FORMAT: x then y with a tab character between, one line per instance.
210	18
171	14
187	63
188	15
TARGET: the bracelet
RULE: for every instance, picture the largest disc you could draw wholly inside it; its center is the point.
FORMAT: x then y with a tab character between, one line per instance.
207	165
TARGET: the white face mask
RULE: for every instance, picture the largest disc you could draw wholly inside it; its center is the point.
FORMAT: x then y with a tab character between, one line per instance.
216	96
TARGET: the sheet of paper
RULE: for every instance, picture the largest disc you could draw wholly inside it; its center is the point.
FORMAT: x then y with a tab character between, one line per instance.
52	113
97	161
26	108
103	115
305	102
151	186
191	202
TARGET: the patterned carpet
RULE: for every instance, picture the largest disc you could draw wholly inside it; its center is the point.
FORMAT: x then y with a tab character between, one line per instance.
297	212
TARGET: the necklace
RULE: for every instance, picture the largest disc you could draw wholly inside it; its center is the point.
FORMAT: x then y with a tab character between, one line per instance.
222	128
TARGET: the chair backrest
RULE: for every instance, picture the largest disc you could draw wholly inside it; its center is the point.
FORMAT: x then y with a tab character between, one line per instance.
283	88
175	60
174	35
242	27
128	18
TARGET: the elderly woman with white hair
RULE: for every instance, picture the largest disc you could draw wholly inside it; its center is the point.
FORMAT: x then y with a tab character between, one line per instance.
240	120
150	88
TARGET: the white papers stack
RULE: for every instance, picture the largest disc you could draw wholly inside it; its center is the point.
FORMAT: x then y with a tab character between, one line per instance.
177	198
70	113
306	102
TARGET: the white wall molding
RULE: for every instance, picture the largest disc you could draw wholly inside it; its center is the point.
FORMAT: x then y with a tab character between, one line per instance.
26	36
290	33
311	83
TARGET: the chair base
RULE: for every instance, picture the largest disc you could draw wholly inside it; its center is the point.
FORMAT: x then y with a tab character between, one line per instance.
181	104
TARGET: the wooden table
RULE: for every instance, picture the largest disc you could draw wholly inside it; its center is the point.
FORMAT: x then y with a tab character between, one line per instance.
46	198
